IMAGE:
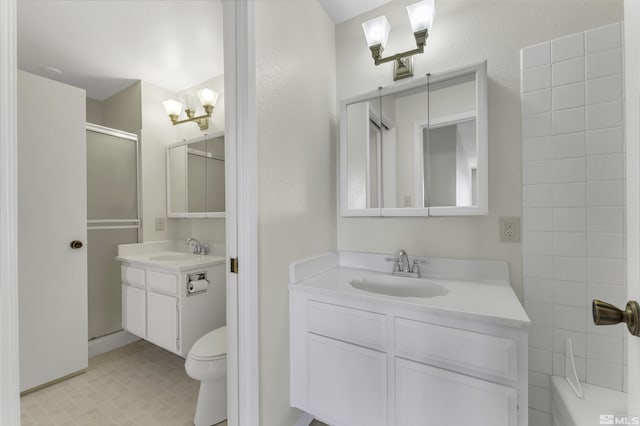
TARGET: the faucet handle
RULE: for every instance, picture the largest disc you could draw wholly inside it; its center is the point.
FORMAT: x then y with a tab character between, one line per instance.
392	259
396	263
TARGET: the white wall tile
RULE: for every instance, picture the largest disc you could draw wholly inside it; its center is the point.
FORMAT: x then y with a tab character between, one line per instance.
605	348
540	361
569	318
605	167
568	145
578	340
567	47
540	380
537	242
537	266
615	294
603	38
604	63
537	219
536	102
540	313
559	361
537	289
606	374
607	271
570	293
605	244
568	121
569	244
537	195
567	96
541	337
536	149
537	55
601	116
605	89
569	268
536	172
569	194
569	219
567	170
539	418
605	219
605	193
540	398
536	78
605	141
536	125
567	72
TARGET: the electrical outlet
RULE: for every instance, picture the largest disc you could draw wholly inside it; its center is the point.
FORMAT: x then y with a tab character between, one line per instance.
510	229
159	223
407	201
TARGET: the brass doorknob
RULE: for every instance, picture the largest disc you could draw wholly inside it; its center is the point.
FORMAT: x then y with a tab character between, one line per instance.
607	314
75	244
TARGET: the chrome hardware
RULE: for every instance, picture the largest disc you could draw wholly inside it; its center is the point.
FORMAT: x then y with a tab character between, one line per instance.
197	247
607	314
404	261
75	244
402	266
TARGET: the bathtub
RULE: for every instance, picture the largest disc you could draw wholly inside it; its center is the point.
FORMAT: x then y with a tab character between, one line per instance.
568	410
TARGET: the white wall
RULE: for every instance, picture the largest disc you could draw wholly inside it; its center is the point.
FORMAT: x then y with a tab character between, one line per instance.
463	32
296	104
573	204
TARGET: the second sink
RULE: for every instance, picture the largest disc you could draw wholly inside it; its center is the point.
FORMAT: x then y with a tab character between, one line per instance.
399	286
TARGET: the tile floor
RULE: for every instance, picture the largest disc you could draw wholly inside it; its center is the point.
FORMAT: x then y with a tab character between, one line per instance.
137	385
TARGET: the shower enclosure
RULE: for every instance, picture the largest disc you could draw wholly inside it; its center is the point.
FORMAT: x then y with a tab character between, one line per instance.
112	219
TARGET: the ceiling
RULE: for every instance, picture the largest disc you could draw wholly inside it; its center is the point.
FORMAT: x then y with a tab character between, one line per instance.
103	46
342	10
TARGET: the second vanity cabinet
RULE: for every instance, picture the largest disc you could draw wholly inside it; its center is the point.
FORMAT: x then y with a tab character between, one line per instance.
356	361
158	307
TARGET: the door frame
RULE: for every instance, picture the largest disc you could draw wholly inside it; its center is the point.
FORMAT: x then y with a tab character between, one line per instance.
242	315
9	340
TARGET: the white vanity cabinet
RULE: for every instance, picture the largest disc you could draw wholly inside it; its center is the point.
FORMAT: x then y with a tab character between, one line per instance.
360	362
158	307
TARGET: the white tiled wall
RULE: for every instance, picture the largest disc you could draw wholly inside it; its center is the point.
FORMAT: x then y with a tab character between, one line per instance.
573	207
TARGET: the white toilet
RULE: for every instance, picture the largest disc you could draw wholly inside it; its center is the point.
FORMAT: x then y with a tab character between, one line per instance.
207	362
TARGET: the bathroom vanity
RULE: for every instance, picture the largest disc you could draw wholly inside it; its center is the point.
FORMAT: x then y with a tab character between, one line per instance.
172	298
366	351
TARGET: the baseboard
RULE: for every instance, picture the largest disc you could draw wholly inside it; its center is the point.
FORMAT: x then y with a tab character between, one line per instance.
110	342
304	420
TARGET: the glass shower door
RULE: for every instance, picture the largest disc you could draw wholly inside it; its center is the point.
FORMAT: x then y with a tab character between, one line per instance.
112	219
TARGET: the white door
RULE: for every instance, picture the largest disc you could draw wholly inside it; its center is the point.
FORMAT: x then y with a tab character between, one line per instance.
52	212
632	118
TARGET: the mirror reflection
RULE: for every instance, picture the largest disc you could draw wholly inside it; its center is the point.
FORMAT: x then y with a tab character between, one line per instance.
415	146
195	177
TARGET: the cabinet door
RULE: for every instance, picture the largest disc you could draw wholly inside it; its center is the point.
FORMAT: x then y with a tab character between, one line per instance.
134	319
347	383
162	320
432	396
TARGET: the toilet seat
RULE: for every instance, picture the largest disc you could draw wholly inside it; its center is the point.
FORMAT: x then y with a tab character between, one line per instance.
211	346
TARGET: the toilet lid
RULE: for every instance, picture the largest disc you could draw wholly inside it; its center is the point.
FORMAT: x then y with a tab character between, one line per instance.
211	345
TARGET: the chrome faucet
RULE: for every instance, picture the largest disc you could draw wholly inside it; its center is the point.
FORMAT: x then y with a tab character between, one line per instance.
402	265
197	247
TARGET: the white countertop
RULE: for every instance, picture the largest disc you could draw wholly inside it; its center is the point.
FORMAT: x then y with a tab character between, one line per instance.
478	290
179	264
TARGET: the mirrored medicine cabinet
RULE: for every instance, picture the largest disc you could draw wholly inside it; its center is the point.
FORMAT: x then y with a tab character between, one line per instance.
418	148
195	178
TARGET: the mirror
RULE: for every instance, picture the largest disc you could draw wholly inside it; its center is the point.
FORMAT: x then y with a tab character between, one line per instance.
195	177
417	148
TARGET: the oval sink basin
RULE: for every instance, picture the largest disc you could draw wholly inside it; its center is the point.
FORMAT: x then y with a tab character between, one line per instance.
399	286
173	257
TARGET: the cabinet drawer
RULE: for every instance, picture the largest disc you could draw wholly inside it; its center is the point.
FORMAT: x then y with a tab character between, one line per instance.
461	350
351	325
160	281
132	275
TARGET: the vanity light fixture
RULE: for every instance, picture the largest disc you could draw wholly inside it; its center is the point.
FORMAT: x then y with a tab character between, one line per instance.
208	99
377	31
